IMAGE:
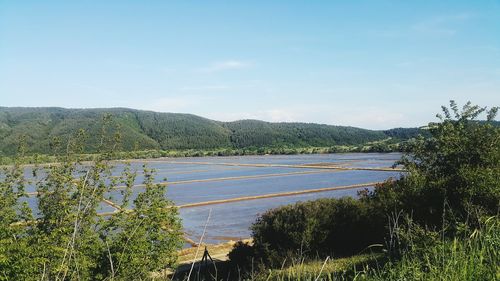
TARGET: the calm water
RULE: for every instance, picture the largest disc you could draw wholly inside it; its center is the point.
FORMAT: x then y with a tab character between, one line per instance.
231	221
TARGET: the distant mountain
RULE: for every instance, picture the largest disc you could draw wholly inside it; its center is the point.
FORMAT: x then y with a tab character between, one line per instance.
153	130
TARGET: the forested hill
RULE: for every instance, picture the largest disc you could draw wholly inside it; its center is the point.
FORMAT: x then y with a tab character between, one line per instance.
152	130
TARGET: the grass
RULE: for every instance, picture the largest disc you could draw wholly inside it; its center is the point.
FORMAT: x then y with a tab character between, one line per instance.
336	269
218	251
472	257
475	257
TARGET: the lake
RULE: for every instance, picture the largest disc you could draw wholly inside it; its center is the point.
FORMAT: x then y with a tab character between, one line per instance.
242	179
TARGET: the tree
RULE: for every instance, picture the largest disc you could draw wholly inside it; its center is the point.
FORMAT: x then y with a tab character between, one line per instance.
65	237
452	179
455	172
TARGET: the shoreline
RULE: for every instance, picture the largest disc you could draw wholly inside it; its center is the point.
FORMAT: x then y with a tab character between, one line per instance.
86	157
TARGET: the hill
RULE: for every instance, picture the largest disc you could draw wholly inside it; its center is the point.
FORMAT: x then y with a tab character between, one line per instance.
142	130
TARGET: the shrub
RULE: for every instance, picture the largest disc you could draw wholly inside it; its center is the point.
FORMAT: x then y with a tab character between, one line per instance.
66	239
242	257
451	181
469	256
452	176
320	228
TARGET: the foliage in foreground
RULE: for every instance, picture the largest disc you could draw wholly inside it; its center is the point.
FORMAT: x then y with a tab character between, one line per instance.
319	228
472	256
455	173
65	238
327	269
452	183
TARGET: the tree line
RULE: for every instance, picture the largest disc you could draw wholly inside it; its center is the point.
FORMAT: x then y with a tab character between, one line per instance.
41	128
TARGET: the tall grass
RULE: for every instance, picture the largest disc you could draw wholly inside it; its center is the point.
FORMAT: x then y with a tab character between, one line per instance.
473	257
336	269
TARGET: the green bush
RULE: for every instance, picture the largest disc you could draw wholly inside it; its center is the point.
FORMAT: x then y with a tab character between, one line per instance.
66	239
472	255
242	258
452	176
320	228
451	182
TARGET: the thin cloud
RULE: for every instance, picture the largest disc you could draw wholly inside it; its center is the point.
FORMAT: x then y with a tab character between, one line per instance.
270	115
278	115
363	117
441	25
226	65
205	88
170	104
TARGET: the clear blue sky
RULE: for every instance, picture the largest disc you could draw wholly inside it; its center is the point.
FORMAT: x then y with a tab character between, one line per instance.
373	64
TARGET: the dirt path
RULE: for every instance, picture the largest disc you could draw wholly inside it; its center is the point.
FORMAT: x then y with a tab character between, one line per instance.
217	251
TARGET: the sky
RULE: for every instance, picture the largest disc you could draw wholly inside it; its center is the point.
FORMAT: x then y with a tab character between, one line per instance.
370	64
